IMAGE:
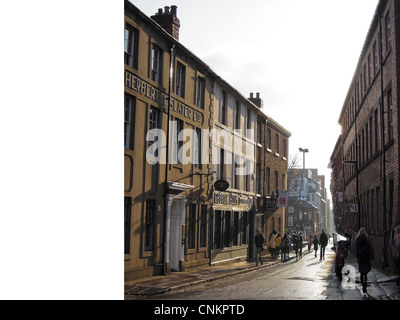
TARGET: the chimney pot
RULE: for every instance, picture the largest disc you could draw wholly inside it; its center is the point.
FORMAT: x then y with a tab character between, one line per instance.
251	94
258	95
160	11
174	10
166	10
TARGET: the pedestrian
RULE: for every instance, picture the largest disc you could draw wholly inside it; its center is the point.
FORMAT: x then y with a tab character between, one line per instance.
295	244
259	242
323	241
284	247
364	256
315	243
300	244
309	243
395	246
272	237
278	241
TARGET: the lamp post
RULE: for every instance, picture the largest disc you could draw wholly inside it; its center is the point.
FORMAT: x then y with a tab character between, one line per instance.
302	179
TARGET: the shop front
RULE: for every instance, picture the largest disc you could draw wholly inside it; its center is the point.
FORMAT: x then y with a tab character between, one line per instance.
232	226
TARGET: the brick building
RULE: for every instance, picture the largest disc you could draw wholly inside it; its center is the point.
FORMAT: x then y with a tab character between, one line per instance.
369	140
271	171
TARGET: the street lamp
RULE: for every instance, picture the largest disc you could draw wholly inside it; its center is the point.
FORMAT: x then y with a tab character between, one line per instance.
304	162
302	179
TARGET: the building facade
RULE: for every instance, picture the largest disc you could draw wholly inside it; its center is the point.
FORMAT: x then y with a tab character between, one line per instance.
272	147
191	143
234	162
369	121
167	186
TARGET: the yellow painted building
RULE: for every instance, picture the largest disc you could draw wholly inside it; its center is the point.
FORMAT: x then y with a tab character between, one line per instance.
167	212
191	139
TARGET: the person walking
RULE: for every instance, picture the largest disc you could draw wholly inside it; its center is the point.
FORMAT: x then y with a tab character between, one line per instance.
364	256
315	243
309	243
259	242
395	246
278	241
284	247
295	244
323	241
272	237
300	244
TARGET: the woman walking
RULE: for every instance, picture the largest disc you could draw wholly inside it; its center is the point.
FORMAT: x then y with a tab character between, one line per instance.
364	256
315	243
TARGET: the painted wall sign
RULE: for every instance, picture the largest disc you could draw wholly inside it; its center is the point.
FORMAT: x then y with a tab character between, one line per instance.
146	89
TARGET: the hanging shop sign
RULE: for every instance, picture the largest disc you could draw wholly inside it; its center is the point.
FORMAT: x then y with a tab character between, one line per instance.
232	201
221	185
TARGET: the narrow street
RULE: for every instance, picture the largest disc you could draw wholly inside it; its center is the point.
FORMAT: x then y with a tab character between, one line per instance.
308	278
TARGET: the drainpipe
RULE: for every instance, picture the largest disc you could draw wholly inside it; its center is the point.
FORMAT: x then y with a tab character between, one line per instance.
383	149
167	159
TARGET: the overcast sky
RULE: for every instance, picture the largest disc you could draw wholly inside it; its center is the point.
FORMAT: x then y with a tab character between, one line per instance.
300	56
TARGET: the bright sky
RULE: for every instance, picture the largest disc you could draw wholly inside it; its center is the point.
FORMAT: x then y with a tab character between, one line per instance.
300	56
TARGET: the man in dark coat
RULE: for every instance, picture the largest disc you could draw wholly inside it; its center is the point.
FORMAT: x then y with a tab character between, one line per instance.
259	242
364	256
323	241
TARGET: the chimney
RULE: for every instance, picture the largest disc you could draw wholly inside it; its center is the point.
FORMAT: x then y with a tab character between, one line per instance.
257	100
168	20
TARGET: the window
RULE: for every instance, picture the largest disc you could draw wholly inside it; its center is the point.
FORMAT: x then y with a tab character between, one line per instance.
390	115
180	80
245	227
235	236
131	46
376	141
387	22
277	143
248	123
201	84
269	139
235	173
246	176
276	182
369	70
203	225
192	226
129	120
365	78
153	124
258	178
222	115
375	56
221	164
197	149
227	229
258	132
217	229
176	143
285	148
127	224
149	224
156	64
267	180
237	116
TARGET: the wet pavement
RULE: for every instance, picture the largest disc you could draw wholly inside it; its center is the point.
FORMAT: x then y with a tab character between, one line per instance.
381	285
175	280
